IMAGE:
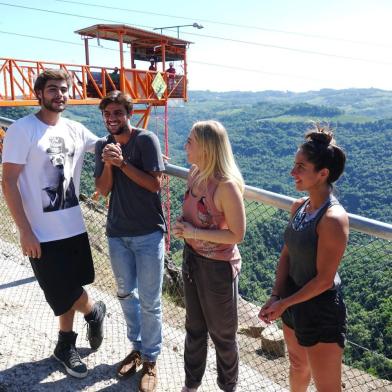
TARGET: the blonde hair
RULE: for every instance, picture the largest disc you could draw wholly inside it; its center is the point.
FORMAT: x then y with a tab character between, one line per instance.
218	159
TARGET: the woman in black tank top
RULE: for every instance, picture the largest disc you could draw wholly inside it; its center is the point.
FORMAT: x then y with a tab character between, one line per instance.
306	293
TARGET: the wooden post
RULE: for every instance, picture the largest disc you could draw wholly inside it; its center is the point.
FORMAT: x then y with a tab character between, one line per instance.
185	80
86	52
164	69
122	72
272	341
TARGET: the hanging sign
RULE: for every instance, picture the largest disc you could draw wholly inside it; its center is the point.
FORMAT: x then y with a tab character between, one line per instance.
159	85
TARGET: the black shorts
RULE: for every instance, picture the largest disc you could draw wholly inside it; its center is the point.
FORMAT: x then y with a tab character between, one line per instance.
64	267
322	319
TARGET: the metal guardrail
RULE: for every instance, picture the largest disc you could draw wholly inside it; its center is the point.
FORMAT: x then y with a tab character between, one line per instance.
5	122
358	223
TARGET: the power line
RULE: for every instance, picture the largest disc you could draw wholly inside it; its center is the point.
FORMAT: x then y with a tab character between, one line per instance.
69	14
295	49
304	51
234	68
55	40
318	36
42	38
242	69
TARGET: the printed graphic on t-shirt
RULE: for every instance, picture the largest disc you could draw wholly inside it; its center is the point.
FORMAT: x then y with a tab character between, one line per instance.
59	192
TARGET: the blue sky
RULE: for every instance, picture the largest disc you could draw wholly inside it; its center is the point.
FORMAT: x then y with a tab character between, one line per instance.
248	45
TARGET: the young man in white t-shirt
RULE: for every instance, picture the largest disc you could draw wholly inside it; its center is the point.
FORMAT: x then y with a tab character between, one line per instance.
42	162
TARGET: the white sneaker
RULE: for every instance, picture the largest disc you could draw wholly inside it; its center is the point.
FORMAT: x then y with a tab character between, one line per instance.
186	389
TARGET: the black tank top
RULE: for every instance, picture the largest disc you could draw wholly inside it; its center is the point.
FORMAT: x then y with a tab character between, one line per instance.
301	239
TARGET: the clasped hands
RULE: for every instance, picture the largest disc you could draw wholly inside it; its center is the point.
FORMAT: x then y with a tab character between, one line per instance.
112	154
182	229
272	310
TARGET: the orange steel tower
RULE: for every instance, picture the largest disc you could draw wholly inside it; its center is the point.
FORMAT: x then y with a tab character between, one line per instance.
91	83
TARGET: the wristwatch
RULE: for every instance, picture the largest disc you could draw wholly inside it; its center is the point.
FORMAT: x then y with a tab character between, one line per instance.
123	164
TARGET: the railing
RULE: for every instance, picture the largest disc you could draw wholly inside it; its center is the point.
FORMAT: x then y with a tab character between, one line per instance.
358	223
89	83
264	365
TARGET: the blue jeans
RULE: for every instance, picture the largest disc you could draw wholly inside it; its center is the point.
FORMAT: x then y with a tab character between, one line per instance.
137	264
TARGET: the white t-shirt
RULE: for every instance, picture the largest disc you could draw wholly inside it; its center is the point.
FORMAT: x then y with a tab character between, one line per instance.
49	181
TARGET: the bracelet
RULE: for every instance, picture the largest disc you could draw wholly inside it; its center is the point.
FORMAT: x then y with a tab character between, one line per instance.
123	164
275	295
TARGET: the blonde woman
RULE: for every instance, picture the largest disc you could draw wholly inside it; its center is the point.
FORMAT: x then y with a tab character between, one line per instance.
212	224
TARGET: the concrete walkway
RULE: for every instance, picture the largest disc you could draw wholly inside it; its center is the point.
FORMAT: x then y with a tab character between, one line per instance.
28	333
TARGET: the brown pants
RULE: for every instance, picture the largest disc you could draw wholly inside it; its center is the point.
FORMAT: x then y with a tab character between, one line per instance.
211	308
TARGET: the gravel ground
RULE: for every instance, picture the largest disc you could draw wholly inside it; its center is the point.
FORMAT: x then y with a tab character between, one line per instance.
28	333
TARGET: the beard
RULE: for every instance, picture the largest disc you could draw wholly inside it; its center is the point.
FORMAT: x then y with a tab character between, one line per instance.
49	105
118	131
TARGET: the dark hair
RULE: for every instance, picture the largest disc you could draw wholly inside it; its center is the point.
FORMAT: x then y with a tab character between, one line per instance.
119	97
320	148
50	74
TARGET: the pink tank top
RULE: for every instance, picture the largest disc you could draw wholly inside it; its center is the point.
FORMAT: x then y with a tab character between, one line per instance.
202	213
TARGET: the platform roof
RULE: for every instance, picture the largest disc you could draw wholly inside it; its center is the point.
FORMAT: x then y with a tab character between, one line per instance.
146	44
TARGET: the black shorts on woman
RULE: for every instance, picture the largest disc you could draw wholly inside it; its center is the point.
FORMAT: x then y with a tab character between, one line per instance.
65	266
321	319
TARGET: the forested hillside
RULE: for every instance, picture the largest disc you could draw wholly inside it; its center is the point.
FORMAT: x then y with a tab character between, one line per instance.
265	129
265	136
